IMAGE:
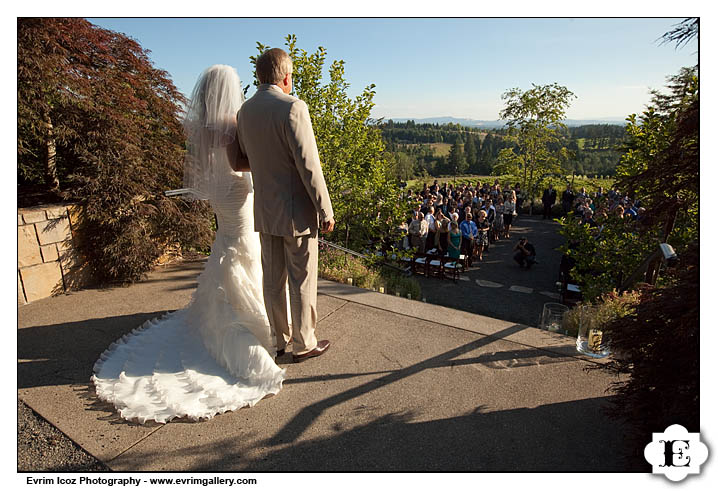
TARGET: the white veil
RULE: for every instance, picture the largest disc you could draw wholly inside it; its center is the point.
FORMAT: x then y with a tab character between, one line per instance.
211	126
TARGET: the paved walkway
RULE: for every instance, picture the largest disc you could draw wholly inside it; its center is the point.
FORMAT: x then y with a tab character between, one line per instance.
406	386
497	286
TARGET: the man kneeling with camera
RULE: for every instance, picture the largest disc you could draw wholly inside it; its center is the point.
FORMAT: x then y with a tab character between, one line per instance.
526	253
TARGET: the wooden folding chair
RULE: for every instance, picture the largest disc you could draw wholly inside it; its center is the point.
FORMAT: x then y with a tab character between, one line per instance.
418	265
434	266
452	268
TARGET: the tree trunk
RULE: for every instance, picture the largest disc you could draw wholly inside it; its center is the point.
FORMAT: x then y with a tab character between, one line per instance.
51	180
530	189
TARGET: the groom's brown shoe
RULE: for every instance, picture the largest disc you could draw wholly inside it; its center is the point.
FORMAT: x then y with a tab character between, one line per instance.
322	347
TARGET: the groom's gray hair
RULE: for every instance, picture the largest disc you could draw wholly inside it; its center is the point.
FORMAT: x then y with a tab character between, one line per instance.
273	65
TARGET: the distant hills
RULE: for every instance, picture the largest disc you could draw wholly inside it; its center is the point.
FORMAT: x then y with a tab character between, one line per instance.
499	123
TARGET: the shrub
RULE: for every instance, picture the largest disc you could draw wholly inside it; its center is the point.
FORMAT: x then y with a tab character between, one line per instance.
608	307
98	125
604	259
338	266
657	347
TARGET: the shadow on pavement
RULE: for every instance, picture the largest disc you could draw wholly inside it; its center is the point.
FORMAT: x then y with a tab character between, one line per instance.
549	438
64	354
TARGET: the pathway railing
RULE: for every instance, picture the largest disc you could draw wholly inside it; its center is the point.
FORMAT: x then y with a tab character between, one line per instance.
184	191
650	266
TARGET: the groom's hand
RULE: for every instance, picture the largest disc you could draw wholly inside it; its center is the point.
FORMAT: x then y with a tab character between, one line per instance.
328	226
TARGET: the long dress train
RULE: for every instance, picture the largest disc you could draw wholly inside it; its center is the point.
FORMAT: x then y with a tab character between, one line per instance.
213	356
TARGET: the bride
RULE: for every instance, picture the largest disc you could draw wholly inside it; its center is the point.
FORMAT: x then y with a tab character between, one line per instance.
217	354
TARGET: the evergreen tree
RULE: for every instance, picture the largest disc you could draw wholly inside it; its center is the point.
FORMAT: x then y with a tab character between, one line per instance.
487	155
457	159
470	152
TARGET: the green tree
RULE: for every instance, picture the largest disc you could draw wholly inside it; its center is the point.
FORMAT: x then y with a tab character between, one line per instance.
471	152
361	179
657	347
404	165
661	160
486	156
457	160
99	125
535	121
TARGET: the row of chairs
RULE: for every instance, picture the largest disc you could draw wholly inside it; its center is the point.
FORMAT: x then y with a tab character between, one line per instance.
433	264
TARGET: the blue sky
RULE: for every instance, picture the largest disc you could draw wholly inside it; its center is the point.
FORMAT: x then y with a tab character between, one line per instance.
425	67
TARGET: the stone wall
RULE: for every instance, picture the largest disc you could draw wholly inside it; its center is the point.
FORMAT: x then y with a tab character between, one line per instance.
46	260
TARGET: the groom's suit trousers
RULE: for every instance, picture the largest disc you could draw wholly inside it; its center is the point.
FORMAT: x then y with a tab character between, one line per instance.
293	259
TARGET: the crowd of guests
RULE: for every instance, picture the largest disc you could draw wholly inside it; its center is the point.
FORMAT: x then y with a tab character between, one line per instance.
465	219
592	208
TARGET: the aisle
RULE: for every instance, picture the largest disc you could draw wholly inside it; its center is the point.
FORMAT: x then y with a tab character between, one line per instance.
497	287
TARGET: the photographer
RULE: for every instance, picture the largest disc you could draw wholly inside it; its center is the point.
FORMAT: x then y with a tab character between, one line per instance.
526	253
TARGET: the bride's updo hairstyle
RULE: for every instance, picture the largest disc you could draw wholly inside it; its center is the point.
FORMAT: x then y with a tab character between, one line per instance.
273	65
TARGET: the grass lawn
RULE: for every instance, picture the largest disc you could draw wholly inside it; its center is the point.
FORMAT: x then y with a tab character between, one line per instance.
441	149
591	184
418	183
438	149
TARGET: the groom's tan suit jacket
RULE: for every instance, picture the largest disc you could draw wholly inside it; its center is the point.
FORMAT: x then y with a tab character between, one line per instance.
275	133
290	198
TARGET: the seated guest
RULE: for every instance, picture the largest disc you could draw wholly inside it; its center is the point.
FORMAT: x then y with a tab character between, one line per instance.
526	253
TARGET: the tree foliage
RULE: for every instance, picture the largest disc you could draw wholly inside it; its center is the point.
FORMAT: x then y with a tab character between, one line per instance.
591	149
661	160
660	167
535	120
683	33
604	260
99	125
360	178
657	346
457	158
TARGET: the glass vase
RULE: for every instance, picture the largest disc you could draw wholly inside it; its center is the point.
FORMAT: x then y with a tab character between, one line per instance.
590	340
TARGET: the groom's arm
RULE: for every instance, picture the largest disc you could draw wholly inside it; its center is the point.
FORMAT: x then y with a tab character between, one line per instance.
237	161
237	158
306	159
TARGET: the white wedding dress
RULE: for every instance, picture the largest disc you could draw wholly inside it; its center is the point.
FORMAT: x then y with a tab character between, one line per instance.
213	356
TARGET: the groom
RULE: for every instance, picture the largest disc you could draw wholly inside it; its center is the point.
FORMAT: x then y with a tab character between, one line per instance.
290	201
